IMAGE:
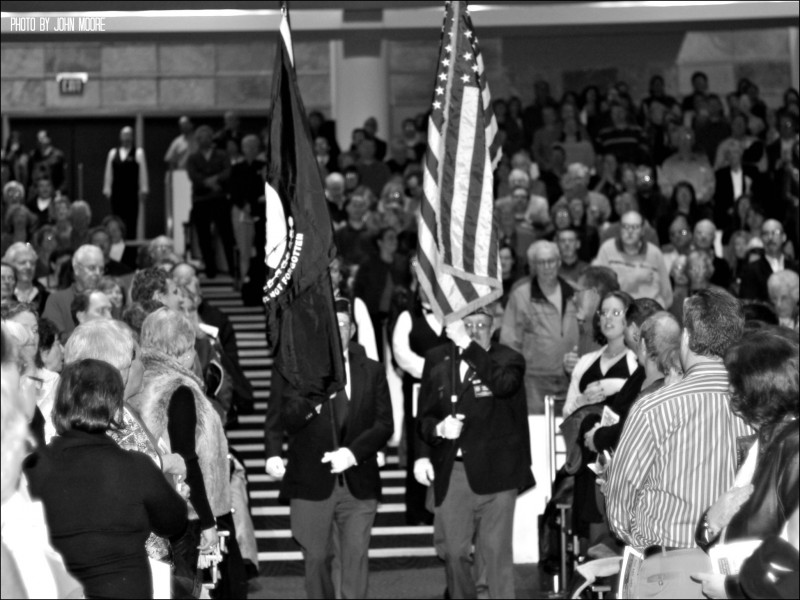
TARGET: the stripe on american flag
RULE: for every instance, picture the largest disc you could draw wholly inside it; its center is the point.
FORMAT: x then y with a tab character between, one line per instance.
458	263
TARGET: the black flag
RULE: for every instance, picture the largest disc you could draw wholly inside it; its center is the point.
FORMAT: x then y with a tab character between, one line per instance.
301	321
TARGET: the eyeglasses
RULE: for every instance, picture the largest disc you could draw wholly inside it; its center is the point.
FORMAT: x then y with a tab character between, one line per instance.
610	313
480	326
771	233
550	262
681	232
630	227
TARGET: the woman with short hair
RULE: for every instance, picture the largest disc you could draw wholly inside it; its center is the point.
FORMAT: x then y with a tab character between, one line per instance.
101	501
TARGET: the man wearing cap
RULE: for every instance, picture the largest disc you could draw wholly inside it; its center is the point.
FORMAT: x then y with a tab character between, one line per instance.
476	452
331	480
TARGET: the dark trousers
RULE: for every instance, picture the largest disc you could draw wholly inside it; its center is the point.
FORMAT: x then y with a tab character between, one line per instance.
416	493
487	520
315	526
126	207
218	212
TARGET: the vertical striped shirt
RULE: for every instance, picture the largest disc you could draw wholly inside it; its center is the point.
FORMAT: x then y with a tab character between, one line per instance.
676	456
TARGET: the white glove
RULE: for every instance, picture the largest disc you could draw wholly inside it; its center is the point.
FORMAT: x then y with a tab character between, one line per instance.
341	460
457	332
450	428
423	471
275	467
381	458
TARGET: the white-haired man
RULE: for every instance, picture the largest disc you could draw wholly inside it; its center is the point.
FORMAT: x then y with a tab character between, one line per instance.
88	264
540	322
28	290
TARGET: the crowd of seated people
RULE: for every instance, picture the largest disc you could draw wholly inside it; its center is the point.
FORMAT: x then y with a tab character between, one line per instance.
613	216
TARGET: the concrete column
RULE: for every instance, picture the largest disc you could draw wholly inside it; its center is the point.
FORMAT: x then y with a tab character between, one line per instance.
360	86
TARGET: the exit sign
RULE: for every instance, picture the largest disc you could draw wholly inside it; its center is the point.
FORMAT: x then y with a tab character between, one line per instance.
71	84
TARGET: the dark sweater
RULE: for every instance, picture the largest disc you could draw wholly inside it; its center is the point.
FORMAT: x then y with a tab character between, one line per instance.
606	438
101	503
181	426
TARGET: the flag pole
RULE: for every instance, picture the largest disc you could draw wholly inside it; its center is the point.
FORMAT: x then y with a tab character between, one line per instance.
454	381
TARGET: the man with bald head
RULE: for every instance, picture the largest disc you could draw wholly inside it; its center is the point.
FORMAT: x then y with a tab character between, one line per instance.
540	322
757	273
639	265
705	233
126	184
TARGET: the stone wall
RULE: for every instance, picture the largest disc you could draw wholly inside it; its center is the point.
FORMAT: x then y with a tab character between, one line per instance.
156	77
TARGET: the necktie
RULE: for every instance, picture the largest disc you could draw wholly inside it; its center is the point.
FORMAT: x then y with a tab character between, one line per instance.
340	409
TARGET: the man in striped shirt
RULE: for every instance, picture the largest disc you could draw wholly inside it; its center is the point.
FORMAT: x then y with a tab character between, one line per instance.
678	453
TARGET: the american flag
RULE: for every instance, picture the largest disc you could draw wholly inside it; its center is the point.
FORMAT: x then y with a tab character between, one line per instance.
458	261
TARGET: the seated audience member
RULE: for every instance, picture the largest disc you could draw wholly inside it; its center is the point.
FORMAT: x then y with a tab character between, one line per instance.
116	295
45	243
378	277
758	314
334	194
623	203
39	384
119	250
639	265
510	231
784	293
656	339
101	502
704	238
89	305
683	202
353	239
87	263
593	285
699	272
154	284
687	165
8	281
732	182
19	226
51	353
763	370
99	237
27	290
756	274
161	251
80	217
572	267
680	241
31	568
540	322
173	406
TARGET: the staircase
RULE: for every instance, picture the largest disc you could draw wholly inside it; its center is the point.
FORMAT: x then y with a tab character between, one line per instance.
394	545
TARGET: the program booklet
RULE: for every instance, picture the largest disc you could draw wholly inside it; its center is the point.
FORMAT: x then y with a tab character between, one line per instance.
727	559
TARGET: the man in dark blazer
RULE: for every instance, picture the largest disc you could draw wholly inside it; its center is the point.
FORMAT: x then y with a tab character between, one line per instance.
476	453
734	181
332	477
756	274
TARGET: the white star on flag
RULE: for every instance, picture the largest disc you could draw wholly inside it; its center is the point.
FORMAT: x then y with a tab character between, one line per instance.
439	90
443	77
446	62
465	78
467	56
475	68
437	105
448	48
468	33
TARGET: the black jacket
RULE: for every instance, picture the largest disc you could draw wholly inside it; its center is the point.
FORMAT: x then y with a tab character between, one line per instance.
776	492
495	441
369	425
755	276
